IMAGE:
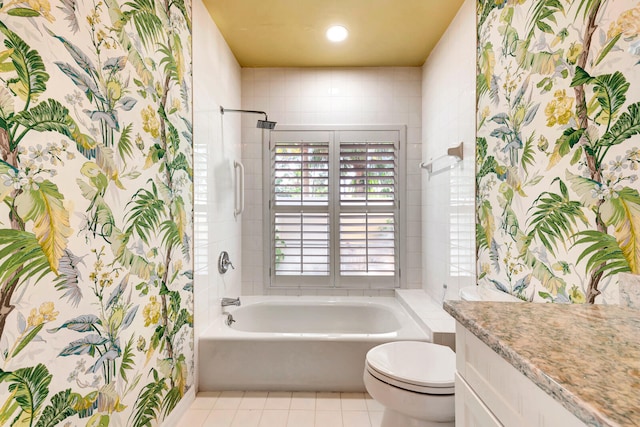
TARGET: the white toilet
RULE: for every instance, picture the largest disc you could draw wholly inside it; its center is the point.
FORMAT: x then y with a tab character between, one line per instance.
414	381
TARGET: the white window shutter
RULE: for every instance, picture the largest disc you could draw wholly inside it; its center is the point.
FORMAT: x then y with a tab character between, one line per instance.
300	194
334	208
368	204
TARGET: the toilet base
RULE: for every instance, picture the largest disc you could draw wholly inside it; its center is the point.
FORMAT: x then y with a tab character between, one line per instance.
393	418
416	410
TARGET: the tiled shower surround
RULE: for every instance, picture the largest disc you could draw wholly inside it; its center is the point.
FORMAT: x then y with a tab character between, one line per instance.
328	96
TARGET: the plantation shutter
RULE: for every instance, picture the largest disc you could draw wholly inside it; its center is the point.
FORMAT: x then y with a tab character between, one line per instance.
368	203
334	208
300	183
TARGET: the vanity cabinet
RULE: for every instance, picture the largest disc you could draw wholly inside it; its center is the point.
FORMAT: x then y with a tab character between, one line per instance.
490	392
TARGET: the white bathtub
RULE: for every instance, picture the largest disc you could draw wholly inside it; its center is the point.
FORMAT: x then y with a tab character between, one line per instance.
299	343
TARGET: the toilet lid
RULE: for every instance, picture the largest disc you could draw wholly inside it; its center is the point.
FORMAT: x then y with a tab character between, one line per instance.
413	365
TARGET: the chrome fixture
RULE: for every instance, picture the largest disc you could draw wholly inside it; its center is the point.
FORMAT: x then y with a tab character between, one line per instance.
454	156
224	262
230	301
238	201
262	124
229	320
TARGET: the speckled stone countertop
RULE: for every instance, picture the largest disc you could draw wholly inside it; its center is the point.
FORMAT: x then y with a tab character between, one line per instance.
587	357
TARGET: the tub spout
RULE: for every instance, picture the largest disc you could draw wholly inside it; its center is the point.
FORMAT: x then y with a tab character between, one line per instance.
230	301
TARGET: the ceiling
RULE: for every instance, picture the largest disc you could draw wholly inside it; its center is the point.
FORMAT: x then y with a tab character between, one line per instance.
291	33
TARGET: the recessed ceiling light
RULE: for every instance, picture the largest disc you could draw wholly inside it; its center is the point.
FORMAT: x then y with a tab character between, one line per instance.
337	33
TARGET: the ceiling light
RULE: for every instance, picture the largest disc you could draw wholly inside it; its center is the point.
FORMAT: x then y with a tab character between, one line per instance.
337	33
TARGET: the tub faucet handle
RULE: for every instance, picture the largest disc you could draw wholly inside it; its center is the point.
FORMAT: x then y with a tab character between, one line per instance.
224	262
230	319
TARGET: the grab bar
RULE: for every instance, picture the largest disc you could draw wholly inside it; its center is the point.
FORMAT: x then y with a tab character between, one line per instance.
238	207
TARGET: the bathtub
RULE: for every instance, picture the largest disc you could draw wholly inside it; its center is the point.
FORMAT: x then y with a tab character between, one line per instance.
299	343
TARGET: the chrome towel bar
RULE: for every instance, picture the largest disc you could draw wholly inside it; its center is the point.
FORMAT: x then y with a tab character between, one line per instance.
437	165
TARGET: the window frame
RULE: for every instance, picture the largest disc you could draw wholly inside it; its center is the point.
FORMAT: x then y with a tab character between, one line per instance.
334	280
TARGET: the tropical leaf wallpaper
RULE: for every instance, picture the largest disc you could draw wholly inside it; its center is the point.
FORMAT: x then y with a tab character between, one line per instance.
96	299
558	147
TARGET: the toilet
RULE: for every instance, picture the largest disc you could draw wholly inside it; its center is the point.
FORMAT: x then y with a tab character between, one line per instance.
414	381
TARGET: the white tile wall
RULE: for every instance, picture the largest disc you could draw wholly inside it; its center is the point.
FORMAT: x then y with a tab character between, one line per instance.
216	77
329	96
448	117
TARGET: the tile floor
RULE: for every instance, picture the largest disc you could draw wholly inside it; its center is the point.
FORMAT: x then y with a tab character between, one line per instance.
282	409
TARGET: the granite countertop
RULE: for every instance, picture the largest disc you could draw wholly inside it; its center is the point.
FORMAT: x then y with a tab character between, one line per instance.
585	356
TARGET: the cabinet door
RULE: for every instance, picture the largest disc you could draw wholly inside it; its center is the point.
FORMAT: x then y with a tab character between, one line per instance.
512	399
470	410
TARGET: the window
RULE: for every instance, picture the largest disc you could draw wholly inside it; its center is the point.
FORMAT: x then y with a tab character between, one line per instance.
334	207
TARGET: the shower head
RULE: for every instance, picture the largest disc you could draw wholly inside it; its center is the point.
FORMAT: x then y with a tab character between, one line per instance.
262	124
266	124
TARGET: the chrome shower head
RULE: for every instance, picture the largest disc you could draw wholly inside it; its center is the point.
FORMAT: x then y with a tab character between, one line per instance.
265	124
262	124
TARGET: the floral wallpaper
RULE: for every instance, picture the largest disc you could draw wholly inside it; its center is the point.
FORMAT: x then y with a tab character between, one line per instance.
558	147
96	300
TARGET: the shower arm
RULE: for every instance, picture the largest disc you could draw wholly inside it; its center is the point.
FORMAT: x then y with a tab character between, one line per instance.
262	124
224	110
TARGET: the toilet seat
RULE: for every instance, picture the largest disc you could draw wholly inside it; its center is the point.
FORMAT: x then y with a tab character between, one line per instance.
416	366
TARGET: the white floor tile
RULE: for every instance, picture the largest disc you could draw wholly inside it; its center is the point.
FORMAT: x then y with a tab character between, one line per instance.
376	418
353	402
329	419
278	400
283	409
328	401
301	418
205	400
253	400
274	418
220	418
304	400
246	418
356	419
372	404
228	400
194	418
